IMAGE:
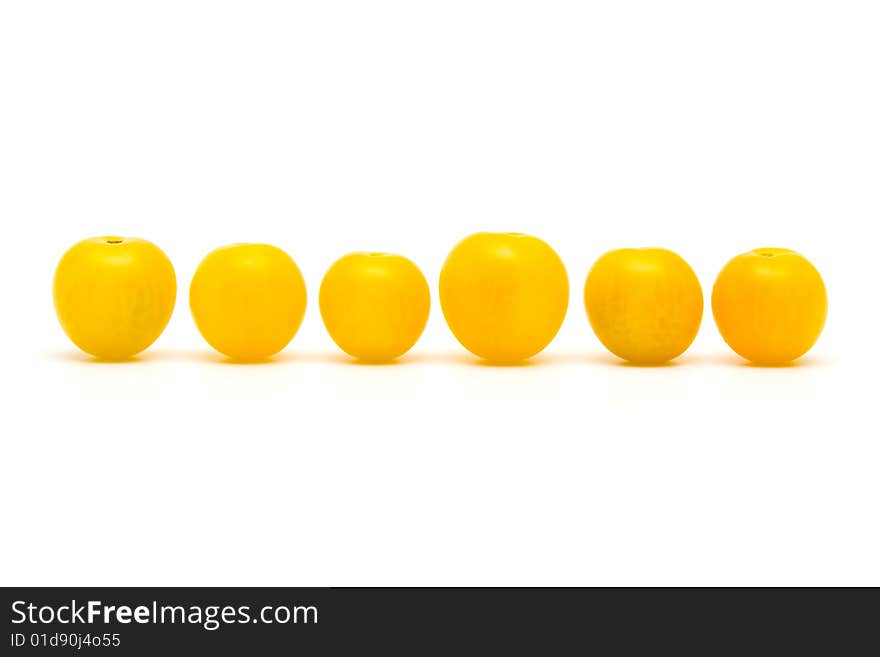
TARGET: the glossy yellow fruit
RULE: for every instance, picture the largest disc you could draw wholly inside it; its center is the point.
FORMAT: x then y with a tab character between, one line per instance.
645	305
374	305
114	295
248	300
770	305
504	295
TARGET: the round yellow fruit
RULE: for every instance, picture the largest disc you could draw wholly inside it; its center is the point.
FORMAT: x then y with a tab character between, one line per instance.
645	305
770	305
248	300
504	295
374	305
114	295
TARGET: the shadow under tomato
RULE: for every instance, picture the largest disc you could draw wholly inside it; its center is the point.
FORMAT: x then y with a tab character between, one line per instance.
341	358
502	365
647	366
222	359
606	360
88	359
732	360
795	364
414	358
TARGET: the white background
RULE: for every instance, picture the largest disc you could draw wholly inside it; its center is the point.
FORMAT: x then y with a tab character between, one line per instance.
325	127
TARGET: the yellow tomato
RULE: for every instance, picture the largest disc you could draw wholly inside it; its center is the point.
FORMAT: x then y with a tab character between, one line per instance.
770	305
248	300
114	295
374	305
645	305
504	295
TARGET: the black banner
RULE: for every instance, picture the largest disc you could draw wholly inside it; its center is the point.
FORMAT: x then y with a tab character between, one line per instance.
150	621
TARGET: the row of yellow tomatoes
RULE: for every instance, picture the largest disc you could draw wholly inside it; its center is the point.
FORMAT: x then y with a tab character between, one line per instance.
503	295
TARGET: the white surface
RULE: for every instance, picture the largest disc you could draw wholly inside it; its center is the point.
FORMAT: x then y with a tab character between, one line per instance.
709	128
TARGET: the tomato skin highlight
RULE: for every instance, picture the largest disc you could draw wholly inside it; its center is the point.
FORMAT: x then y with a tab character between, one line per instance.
374	305
248	300
770	305
114	295
503	295
644	305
